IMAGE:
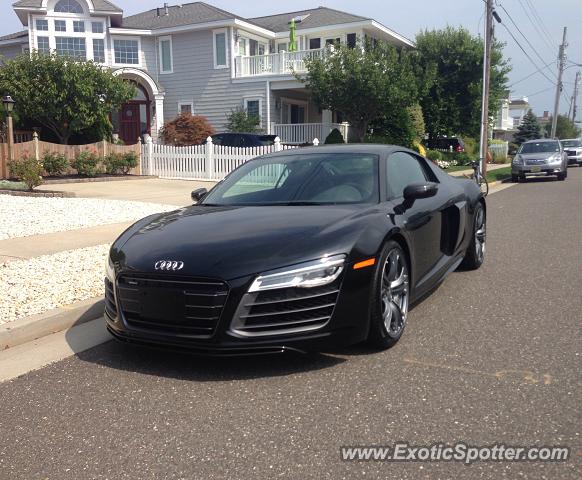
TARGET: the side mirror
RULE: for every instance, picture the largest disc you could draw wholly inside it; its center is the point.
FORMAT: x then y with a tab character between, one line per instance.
417	191
198	194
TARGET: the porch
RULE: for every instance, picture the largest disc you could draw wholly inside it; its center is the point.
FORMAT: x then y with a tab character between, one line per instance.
282	63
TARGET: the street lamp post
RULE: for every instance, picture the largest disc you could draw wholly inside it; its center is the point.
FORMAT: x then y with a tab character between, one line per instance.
9	107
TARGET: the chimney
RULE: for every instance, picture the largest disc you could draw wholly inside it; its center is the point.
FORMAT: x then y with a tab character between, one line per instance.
546	114
158	11
166	10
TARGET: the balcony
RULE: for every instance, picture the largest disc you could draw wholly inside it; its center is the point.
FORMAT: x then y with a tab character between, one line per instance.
302	133
282	63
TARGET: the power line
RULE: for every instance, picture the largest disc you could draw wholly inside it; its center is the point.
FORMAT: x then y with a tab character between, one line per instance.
540	20
527	55
522	34
531	74
550	46
541	91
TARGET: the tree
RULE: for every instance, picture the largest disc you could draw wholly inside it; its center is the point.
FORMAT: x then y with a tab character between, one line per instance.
566	128
452	104
239	121
187	129
530	129
63	94
363	82
404	127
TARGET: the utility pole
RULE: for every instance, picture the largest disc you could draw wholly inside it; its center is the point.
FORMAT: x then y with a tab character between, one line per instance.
486	86
574	98
561	60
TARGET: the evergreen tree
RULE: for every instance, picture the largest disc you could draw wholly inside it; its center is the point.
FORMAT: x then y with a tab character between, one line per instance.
530	129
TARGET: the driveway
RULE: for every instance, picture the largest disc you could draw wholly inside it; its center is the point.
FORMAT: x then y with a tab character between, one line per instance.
154	190
491	357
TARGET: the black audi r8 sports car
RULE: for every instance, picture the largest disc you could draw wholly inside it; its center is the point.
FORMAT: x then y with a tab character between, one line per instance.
305	249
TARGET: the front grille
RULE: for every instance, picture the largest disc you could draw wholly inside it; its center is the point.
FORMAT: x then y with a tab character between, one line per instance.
536	161
286	310
171	305
110	305
571	153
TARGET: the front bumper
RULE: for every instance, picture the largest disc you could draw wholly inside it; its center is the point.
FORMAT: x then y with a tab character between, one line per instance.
575	159
348	324
545	169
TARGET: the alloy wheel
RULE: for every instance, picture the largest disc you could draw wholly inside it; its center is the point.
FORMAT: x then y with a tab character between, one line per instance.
480	235
394	293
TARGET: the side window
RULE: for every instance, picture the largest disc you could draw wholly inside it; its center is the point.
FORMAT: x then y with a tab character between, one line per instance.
402	169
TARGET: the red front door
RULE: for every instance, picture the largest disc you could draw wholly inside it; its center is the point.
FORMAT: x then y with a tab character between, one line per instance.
130	123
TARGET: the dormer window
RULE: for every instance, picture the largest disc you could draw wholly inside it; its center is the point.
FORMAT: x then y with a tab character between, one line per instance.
68	6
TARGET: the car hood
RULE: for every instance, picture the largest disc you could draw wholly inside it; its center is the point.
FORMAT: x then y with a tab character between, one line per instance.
534	156
232	242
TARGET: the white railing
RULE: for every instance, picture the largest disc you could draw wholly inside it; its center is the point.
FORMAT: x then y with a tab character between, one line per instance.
300	133
199	162
282	63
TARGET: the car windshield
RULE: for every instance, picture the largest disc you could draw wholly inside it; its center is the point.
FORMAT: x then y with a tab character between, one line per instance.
572	143
540	147
316	179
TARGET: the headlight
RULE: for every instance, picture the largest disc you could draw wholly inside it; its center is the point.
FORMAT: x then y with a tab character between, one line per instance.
518	160
556	157
109	268
305	275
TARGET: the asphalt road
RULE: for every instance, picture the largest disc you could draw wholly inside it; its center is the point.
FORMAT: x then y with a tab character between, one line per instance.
492	356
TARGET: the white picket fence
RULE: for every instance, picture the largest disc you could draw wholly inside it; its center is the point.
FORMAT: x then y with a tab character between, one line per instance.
200	162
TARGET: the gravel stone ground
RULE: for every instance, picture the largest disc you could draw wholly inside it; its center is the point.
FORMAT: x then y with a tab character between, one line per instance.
41	284
25	216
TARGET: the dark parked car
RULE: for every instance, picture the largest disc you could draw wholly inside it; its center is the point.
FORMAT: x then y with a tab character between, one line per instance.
453	144
299	250
243	140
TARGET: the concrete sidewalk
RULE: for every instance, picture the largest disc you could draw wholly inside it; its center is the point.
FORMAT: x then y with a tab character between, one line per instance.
154	190
469	171
38	245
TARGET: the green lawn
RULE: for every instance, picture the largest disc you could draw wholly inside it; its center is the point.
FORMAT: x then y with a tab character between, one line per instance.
499	174
8	185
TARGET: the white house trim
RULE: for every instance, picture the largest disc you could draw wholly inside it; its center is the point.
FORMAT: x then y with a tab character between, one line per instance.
139	51
161	58
255	98
226	48
186	102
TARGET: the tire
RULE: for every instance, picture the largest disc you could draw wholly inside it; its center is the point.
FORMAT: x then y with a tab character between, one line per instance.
475	255
514	178
390	297
562	176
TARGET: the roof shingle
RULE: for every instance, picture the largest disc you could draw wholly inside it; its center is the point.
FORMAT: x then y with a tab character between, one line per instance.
100	5
14	36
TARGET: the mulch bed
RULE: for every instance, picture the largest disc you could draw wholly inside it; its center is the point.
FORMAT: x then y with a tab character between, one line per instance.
100	178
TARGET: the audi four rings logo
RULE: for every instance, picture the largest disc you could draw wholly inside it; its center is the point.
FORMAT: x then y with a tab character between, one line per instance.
169	265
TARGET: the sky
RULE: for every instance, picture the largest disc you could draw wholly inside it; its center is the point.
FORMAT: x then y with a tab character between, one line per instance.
544	36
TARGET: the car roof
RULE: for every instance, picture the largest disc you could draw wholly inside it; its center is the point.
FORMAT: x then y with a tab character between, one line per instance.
543	140
373	148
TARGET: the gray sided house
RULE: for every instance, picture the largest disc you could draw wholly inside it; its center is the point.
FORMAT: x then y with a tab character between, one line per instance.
196	58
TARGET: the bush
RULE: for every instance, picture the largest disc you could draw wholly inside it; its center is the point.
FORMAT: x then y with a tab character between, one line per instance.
55	164
335	136
87	163
116	164
239	121
471	145
27	170
463	158
434	155
186	130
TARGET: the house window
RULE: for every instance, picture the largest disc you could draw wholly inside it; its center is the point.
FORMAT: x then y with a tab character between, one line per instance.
314	43
71	47
351	40
42	25
79	26
242	46
99	50
333	41
166	61
283	47
97	27
60	26
186	107
220	49
126	52
253	107
43	45
68	6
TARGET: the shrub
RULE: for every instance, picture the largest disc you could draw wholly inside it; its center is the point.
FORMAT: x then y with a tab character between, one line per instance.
87	163
54	164
471	145
335	136
27	170
463	158
187	129
434	155
239	121
116	163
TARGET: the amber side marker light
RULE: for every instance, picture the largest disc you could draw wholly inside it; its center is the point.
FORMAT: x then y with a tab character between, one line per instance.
365	263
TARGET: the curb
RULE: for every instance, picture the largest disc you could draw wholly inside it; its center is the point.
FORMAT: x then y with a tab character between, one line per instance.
112	178
34	327
37	194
